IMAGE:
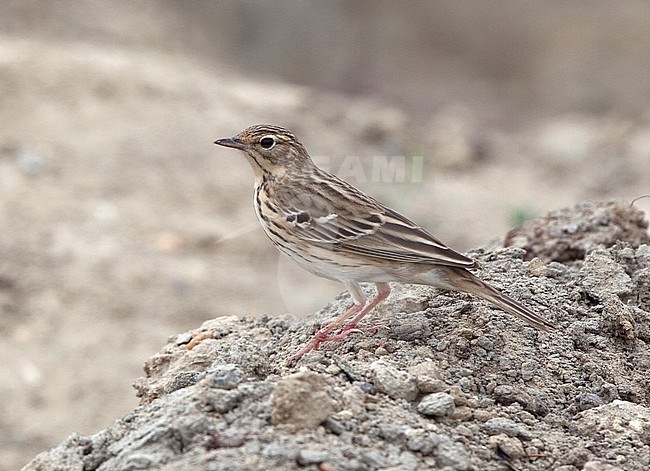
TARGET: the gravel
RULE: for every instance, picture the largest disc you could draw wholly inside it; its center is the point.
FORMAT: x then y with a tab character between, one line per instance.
498	395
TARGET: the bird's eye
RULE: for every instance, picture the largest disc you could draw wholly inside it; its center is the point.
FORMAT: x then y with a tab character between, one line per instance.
267	142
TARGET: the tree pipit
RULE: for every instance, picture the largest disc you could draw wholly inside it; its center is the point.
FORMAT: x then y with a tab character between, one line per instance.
335	231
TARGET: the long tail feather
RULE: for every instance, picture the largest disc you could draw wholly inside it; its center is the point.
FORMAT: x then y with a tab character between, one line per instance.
463	280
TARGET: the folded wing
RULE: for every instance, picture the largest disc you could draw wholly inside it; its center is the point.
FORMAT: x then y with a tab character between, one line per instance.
341	216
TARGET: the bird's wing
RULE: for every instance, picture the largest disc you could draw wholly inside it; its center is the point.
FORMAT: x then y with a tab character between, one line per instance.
402	240
343	217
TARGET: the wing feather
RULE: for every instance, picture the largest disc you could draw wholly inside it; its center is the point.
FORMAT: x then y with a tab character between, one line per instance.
340	216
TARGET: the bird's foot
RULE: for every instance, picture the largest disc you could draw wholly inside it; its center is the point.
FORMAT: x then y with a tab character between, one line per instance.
320	337
351	327
344	333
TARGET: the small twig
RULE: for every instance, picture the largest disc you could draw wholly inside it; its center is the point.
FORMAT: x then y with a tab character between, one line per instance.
638	198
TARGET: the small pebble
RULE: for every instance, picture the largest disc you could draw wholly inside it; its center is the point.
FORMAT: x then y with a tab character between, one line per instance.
510	446
460	399
366	387
307	457
450	454
381	351
227	376
528	369
427	377
588	401
461	413
597	465
499	425
183	339
436	404
464	431
333	369
373	458
183	380
392	381
482	415
537	443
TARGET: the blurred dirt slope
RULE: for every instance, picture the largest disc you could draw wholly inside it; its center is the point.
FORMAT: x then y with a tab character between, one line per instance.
122	223
509	60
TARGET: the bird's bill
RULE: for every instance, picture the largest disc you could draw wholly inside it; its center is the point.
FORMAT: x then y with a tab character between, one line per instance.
233	142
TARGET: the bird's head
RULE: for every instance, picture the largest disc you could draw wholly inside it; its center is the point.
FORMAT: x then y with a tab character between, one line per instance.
270	149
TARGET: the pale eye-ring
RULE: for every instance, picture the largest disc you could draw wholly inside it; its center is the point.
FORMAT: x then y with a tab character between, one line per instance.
267	142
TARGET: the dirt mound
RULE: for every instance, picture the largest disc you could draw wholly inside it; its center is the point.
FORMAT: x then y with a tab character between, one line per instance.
451	382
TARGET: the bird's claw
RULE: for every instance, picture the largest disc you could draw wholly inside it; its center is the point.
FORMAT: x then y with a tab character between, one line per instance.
345	331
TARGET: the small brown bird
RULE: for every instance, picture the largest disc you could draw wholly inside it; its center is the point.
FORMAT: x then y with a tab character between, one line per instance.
335	231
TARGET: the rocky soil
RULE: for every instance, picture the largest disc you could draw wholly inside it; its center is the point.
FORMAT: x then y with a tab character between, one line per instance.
447	382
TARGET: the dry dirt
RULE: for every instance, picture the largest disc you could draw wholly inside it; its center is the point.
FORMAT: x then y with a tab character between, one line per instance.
121	223
447	383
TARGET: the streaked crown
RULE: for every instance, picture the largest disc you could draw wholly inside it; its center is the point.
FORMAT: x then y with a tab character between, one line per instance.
269	148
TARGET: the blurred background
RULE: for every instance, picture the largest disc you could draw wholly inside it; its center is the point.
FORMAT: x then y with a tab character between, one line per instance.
121	223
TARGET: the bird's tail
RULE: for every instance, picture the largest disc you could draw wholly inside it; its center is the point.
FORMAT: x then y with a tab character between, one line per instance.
460	279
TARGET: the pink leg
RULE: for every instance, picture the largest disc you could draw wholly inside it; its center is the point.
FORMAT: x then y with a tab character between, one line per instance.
383	290
361	306
320	336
